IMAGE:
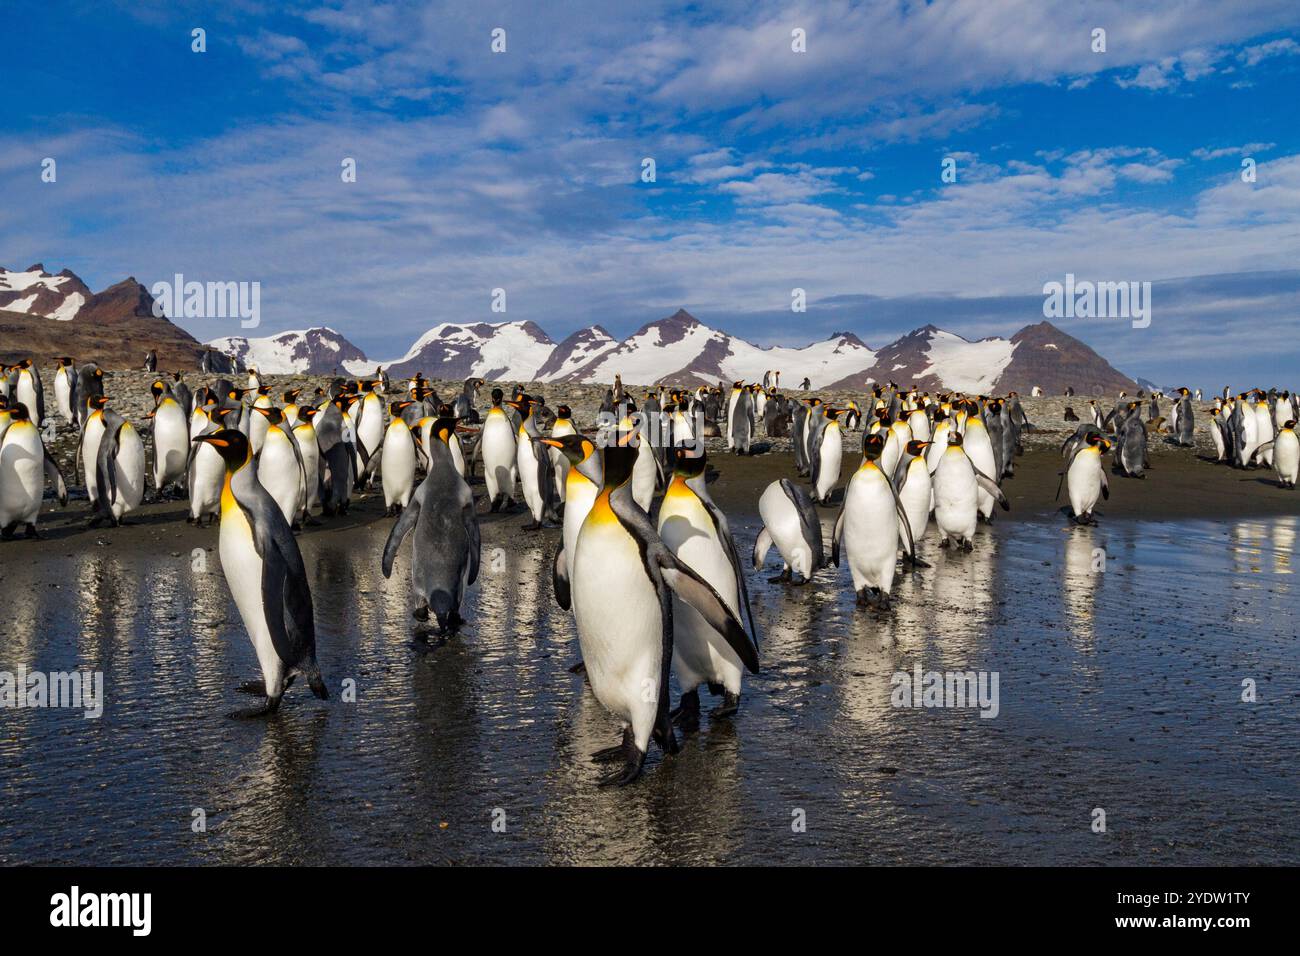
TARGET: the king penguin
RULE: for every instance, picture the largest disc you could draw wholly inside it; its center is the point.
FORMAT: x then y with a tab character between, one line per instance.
957	486
790	522
582	484
206	471
622	579
1085	477
693	528
280	468
397	471
266	575
826	454
65	390
119	469
867	528
445	553
1286	454
496	444
171	439
24	464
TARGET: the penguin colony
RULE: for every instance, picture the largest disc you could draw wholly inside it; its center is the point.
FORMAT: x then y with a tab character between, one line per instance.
653	592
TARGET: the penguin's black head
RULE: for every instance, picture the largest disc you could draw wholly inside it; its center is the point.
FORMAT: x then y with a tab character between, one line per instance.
564	411
444	410
395	408
688	463
443	428
872	446
497	396
157	389
619	461
576	448
1290	423
291	395
19	413
956	438
308	413
231	444
916	447
65	361
176	376
273	414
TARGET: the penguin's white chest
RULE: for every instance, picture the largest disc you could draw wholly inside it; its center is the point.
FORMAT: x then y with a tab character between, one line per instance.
1286	455
870	533
699	652
955	494
63	395
22	474
580	495
398	468
1084	481
171	442
277	470
243	570
90	437
830	454
498	453
620	627
130	471
781	519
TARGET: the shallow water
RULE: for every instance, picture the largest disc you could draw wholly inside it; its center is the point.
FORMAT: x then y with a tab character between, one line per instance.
1118	689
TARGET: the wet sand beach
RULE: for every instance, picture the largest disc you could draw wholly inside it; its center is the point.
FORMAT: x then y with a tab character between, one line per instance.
1120	688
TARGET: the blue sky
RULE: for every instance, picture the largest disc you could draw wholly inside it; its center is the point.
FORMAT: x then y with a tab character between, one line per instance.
775	169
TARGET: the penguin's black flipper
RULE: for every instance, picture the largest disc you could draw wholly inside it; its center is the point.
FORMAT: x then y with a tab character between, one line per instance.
470	518
55	475
405	522
560	579
733	555
762	544
836	534
284	583
991	486
699	594
809	523
106	463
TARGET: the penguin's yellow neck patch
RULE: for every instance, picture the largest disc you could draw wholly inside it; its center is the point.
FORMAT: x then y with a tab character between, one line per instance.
602	513
678	489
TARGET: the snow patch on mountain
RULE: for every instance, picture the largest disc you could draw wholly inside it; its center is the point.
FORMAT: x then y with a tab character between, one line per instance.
970	367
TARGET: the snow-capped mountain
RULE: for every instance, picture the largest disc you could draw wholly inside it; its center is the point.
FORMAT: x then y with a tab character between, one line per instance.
114	327
35	292
579	349
933	359
680	348
311	351
496	351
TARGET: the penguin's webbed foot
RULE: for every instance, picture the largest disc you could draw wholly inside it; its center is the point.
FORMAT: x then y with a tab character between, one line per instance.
267	707
632	765
421	613
686	716
578	668
967	545
618	751
257	688
728	708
